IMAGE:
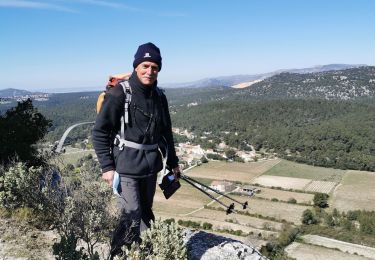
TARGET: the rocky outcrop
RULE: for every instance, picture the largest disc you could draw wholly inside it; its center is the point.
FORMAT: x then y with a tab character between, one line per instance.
205	246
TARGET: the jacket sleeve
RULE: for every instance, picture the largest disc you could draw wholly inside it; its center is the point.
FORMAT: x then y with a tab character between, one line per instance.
106	126
172	161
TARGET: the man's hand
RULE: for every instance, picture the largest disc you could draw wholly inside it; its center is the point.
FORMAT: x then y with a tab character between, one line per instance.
108	177
177	172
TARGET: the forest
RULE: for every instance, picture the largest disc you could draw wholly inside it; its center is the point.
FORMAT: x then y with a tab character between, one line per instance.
285	114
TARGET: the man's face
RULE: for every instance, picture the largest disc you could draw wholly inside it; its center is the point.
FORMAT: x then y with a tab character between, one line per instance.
147	72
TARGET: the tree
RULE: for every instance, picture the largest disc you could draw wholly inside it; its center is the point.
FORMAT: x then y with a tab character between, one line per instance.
321	200
308	217
21	128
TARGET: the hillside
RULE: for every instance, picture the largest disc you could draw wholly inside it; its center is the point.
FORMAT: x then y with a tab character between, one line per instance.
339	85
324	118
237	79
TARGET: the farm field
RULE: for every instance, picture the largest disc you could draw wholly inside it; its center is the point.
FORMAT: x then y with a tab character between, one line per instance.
297	170
289	212
356	191
232	171
342	246
320	186
236	218
295	183
301	251
185	200
283	182
268	193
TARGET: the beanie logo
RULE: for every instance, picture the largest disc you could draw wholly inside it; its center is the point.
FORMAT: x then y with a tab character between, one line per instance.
147	55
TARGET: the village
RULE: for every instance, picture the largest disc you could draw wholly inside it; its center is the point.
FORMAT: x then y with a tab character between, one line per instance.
191	155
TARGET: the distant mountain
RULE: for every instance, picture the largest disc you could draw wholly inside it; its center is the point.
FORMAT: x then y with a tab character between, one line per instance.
238	79
11	92
331	85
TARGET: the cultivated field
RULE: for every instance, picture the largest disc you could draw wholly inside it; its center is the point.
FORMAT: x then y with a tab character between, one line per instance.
185	200
301	251
296	170
320	186
342	246
289	212
237	218
295	183
356	191
283	182
284	195
232	171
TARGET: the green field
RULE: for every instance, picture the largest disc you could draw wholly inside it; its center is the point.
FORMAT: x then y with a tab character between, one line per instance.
356	191
297	170
72	155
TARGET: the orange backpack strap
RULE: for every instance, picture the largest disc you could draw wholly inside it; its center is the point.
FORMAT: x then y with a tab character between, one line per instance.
99	102
115	79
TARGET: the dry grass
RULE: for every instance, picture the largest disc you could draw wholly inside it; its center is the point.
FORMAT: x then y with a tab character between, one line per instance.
185	200
232	171
356	191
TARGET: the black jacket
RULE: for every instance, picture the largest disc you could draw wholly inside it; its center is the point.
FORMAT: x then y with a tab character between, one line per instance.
149	121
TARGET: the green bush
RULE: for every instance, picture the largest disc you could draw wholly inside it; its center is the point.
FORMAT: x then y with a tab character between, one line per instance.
161	241
308	217
207	226
32	187
321	200
66	249
87	216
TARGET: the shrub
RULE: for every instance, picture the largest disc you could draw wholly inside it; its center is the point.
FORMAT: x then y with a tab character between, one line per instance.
35	187
67	249
321	200
207	226
292	201
86	215
161	241
308	217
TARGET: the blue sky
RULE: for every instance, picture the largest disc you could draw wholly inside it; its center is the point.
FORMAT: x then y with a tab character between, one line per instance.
76	44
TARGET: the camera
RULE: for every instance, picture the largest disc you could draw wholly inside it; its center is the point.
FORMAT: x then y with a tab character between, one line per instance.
169	185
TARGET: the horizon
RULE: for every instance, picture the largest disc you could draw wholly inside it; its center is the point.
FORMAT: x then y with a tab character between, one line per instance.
57	44
62	90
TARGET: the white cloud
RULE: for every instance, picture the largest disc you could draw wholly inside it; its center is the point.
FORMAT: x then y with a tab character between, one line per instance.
34	5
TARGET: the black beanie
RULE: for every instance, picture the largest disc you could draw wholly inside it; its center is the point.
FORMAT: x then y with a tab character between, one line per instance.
147	52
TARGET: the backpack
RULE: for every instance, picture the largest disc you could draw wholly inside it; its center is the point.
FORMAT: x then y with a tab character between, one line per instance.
113	81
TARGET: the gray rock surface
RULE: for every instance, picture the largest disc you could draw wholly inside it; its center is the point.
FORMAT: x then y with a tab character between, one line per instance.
205	246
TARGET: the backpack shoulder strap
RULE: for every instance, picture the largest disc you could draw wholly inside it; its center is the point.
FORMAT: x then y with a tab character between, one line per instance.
128	97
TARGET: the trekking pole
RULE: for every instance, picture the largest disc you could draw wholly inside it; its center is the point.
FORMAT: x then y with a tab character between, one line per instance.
230	208
244	205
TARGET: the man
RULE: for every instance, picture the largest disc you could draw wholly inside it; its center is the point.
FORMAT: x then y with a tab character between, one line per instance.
128	144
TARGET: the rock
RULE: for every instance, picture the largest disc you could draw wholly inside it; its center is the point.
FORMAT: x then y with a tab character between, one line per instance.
206	246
